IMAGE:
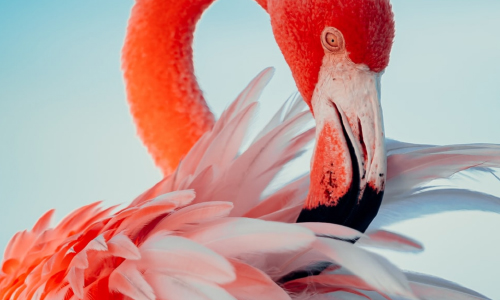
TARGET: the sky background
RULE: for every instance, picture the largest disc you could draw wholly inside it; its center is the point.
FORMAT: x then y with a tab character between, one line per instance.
67	139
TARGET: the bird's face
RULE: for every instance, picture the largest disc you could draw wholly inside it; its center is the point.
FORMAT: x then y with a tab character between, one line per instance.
337	51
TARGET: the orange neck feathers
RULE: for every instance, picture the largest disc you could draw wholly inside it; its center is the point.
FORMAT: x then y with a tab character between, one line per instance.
165	99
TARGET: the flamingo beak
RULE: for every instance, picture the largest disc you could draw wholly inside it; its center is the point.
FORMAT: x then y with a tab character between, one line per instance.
348	167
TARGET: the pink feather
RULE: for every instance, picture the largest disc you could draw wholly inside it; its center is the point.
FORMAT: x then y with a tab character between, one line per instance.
126	279
251	282
230	240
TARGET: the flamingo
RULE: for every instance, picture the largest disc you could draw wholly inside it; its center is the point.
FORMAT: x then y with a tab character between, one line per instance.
166	200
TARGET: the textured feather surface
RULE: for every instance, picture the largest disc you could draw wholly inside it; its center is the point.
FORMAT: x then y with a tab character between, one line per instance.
432	202
129	281
121	246
432	288
390	240
411	166
234	237
333	231
387	279
170	236
181	288
209	231
252	282
411	170
327	283
173	255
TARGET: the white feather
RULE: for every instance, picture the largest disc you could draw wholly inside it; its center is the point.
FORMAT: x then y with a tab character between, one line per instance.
373	269
234	237
175	255
184	288
432	288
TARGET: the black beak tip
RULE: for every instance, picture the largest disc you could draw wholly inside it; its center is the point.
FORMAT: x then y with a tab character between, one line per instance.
348	212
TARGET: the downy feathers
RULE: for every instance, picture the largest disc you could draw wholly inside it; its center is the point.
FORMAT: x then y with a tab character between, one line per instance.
208	231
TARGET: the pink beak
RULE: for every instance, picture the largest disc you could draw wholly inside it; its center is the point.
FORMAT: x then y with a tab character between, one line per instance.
348	168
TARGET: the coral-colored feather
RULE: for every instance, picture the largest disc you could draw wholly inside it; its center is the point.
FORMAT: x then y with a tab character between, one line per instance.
208	230
171	243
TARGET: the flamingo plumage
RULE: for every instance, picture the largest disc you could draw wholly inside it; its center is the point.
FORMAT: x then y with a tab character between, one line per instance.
94	246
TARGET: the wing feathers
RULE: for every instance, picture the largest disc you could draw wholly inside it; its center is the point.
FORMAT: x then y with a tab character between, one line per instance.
252	282
182	288
433	288
177	255
121	246
127	280
171	243
232	237
373	269
390	240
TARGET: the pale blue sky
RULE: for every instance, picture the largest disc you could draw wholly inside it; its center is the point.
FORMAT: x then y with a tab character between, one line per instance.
67	138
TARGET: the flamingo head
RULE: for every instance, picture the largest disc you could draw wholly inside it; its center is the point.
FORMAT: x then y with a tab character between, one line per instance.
337	51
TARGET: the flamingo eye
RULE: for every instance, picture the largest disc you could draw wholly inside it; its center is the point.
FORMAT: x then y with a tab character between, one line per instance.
332	40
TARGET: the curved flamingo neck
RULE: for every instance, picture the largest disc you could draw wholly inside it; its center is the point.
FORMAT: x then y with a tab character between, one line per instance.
165	99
